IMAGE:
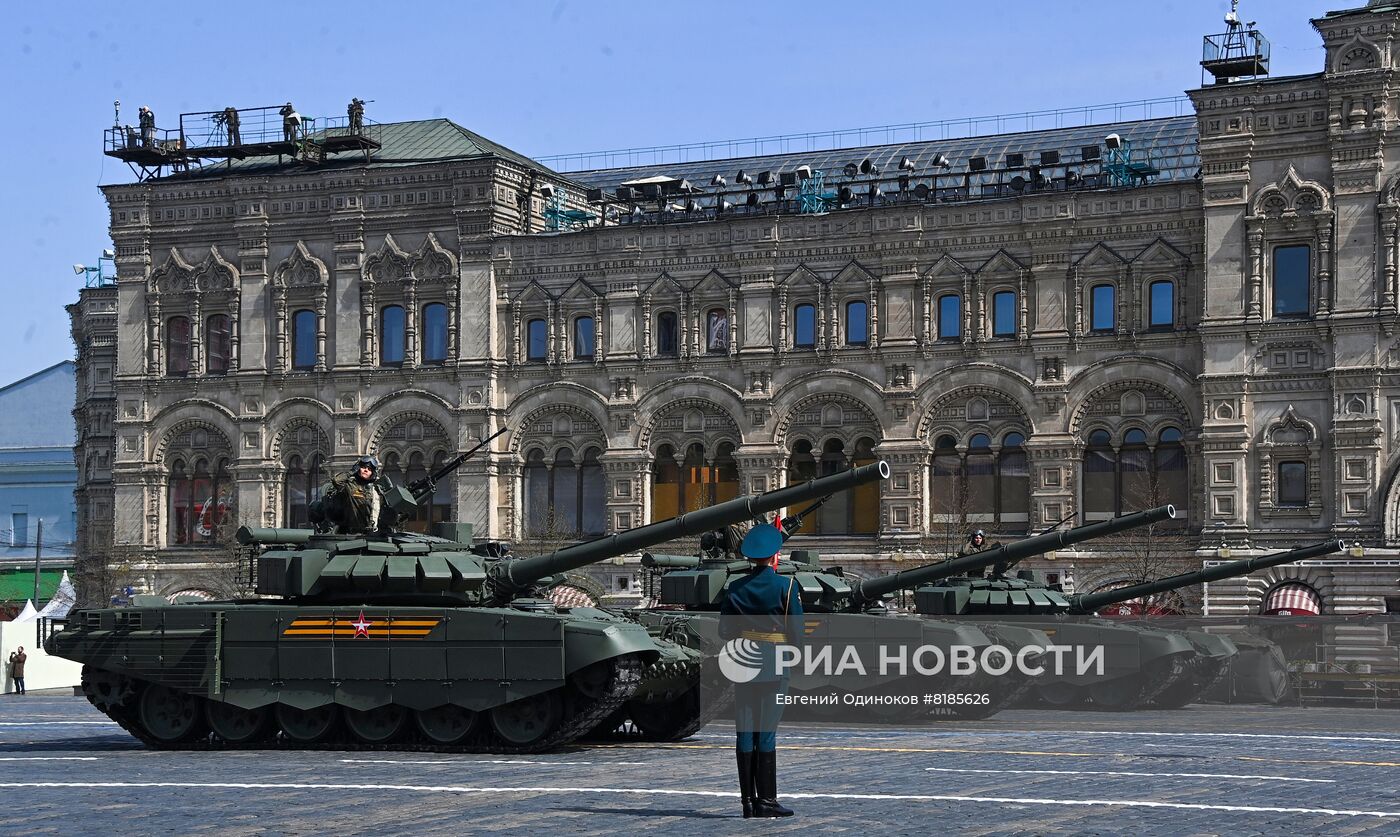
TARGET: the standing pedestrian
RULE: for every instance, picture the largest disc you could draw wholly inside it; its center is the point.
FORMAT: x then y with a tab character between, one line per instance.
356	112
231	124
147	120
758	613
17	659
291	121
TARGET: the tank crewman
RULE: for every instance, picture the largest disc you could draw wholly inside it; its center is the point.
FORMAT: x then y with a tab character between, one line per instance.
763	608
976	542
353	502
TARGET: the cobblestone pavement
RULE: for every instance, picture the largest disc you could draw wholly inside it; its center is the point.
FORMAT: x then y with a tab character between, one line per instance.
1204	770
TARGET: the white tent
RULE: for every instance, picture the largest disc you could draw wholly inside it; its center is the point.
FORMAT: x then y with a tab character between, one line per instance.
63	600
29	614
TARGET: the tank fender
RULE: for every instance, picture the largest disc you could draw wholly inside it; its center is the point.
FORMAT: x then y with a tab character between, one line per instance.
588	642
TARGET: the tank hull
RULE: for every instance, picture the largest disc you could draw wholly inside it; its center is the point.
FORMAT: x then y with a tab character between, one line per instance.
508	679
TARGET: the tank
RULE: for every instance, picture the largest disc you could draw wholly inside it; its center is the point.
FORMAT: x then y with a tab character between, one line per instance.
399	639
1146	666
689	591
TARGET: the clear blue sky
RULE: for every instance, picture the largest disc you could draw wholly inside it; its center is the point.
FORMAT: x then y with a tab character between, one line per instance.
546	78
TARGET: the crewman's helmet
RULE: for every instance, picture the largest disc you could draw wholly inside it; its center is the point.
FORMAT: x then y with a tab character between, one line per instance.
371	462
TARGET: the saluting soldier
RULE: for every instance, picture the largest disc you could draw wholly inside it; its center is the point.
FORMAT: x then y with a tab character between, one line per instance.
760	607
353	502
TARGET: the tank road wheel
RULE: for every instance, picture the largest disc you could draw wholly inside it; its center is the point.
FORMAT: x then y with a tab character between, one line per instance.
307	726
235	724
445	725
377	726
528	720
670	720
170	717
107	690
593	681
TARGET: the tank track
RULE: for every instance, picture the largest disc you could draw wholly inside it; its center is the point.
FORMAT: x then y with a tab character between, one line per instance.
626	677
1153	685
1198	681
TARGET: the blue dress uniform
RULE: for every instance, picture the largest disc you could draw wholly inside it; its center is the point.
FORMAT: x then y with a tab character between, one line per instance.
760	607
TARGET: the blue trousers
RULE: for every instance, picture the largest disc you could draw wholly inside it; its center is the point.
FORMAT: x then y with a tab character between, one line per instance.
757	711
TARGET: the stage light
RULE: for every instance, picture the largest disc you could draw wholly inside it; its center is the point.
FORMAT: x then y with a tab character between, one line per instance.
845	196
593	195
79	270
1015	161
743	178
1113	142
1049	158
850	170
109	254
546	191
752	199
804	172
718	180
624	194
940	161
1018	183
869	168
921	192
906	164
976	163
637	212
765	178
788	178
1089	152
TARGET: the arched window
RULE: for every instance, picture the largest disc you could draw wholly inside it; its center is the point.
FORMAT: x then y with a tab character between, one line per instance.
950	317
1101	310
1004	314
804	327
725	474
945	483
435	333
1292	482
444	497
981	478
217	343
304	339
392	327
865	499
667	341
1100	477
200	500
303	487
536	494
802	464
1292	282
857	323
695	493
665	484
1161	305
1137	475
584	338
177	347
835	518
1013	480
717	331
537	341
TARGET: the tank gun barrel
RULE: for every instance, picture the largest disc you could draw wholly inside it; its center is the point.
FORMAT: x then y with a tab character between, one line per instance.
1090	602
518	574
872	589
669	562
248	535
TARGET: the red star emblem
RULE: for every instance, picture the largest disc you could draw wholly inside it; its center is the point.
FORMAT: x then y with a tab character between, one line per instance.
361	626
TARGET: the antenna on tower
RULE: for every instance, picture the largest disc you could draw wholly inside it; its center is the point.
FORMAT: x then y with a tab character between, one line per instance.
1240	52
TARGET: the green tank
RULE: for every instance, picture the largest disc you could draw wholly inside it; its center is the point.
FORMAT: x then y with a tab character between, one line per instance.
1145	666
399	639
689	591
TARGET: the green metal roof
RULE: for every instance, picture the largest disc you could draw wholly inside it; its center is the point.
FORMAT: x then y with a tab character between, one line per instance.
17	585
401	144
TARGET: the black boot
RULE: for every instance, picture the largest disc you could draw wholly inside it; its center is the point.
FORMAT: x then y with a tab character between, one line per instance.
766	776
746	785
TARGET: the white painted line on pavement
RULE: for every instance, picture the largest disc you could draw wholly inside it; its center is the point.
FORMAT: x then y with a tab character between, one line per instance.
48	758
488	761
654	792
1126	773
58	723
1236	735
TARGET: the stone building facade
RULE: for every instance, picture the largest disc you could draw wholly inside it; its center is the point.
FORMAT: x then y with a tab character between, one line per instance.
1223	341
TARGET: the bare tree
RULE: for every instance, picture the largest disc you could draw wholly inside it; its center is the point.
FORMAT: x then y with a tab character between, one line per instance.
1148	553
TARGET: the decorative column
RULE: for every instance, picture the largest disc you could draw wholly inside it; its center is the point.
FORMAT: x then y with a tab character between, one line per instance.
874	296
1255	296
926	326
733	322
598	341
279	307
1324	267
321	329
782	320
1390	229
367	324
157	340
233	327
410	323
1076	289
196	333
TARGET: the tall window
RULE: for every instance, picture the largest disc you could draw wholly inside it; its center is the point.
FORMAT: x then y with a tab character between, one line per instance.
804	327
435	333
949	317
1013	480
392	327
1101	313
217	343
1004	314
536	341
667	341
717	331
584	338
1292	483
304	339
1292	281
303	488
856	512
177	347
980	485
200	496
19	528
1136	475
565	499
1161	305
857	323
